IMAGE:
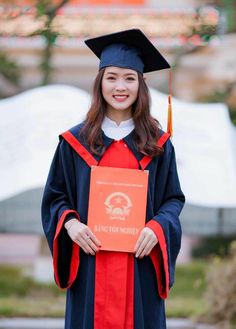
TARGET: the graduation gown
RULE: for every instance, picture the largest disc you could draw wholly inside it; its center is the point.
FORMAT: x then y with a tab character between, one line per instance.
112	290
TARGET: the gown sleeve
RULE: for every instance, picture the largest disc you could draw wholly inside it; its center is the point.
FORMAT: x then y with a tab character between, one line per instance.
58	206
165	224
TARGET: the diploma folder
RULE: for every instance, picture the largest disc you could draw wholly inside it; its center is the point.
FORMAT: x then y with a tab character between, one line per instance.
117	206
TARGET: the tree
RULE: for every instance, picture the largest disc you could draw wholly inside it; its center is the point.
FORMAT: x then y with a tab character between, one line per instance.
9	69
47	10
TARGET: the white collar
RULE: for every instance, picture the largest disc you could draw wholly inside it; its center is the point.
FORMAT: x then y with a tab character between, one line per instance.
108	123
115	131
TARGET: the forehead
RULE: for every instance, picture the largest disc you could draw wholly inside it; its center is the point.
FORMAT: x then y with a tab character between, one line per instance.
119	70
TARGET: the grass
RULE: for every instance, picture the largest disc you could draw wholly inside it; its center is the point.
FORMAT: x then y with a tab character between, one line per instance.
14	283
22	296
186	298
16	306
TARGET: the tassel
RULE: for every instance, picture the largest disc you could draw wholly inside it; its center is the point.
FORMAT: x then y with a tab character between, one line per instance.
169	119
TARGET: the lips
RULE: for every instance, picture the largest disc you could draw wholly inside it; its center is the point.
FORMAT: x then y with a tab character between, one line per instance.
120	98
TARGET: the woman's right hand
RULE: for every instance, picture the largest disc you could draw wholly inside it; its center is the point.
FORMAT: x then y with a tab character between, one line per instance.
83	236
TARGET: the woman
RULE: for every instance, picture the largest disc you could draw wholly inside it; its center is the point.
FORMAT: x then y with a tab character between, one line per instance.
105	289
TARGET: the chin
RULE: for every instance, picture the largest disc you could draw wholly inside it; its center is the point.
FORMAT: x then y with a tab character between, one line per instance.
120	107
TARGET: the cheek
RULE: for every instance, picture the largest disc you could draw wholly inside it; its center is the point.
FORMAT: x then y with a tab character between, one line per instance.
135	90
105	89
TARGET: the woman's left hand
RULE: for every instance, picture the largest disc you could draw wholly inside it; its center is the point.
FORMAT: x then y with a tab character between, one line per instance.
146	241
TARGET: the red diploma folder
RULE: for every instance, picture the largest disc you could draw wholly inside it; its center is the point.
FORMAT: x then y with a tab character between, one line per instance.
117	206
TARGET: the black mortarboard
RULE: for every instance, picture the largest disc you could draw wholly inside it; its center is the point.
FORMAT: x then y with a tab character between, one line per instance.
128	49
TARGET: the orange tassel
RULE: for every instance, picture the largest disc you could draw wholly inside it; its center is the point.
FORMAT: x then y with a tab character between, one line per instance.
169	119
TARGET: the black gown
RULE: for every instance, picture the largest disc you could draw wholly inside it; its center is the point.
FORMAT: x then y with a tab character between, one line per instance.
66	195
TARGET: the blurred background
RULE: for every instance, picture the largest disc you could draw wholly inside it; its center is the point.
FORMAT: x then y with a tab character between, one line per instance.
46	77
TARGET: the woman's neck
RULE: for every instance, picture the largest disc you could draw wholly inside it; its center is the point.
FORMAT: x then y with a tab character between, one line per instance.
119	116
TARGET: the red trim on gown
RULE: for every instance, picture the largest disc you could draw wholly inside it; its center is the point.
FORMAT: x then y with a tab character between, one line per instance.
75	260
159	257
144	162
79	148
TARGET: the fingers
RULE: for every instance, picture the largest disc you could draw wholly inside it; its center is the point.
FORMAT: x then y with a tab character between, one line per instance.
139	241
88	246
86	242
146	249
143	246
84	237
146	241
94	239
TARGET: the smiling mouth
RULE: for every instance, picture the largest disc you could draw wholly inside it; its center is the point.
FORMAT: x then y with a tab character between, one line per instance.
120	98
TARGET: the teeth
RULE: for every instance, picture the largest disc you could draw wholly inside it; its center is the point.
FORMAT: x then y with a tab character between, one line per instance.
121	97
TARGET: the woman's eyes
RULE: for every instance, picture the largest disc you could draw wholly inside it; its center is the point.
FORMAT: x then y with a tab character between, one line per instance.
128	78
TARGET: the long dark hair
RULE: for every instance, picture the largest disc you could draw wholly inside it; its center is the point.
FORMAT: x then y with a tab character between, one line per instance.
147	129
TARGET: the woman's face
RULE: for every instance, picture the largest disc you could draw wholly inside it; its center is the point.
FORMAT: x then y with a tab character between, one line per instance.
119	89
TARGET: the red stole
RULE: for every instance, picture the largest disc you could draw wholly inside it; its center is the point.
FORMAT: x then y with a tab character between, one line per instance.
114	274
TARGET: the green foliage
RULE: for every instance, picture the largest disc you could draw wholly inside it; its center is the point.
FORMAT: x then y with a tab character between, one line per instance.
190	280
9	69
218	96
47	11
45	306
221	289
41	8
22	296
212	246
221	96
50	36
229	7
14	283
186	297
233	116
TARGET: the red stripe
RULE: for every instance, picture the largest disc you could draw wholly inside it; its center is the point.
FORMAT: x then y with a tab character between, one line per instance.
159	257
147	159
114	291
161	141
129	316
145	162
79	148
74	265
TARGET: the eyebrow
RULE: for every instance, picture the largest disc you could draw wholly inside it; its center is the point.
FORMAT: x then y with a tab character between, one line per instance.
114	73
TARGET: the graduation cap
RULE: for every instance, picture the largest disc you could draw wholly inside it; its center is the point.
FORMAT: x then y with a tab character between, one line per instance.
130	49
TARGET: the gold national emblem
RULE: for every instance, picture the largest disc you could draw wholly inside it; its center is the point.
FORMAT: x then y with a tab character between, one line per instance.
118	205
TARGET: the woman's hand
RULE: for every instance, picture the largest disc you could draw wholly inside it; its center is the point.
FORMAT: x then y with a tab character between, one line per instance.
83	236
146	241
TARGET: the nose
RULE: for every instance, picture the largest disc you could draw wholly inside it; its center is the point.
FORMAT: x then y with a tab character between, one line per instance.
120	85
